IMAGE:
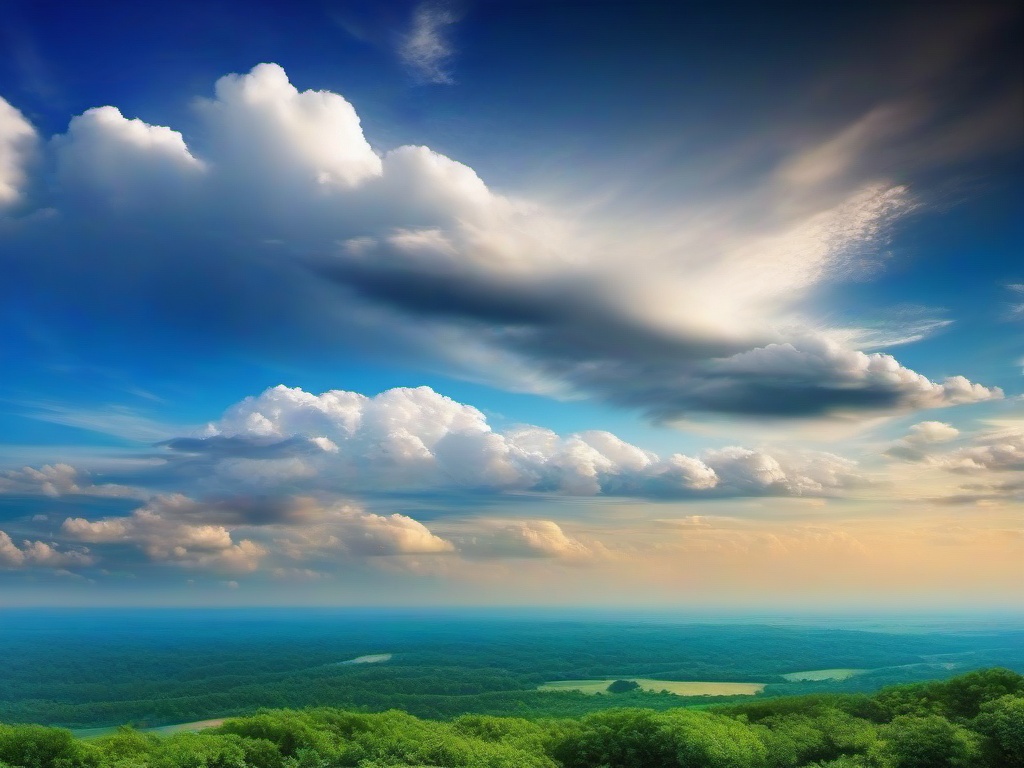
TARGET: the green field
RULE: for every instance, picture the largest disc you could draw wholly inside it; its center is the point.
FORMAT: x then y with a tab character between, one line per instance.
816	675
687	688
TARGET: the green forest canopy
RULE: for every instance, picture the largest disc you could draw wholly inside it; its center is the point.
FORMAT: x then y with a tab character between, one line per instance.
975	720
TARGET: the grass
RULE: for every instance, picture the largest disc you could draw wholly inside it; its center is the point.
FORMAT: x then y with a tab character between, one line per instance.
688	688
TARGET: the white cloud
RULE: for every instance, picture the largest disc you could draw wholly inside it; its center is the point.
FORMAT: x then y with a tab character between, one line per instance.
18	140
424	49
165	530
238	534
416	439
349	530
528	538
1017	305
1001	451
261	128
60	480
279	226
988	464
40	554
928	432
114	163
809	473
921	440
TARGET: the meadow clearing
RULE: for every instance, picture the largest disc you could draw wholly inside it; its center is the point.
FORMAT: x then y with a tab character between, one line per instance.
815	675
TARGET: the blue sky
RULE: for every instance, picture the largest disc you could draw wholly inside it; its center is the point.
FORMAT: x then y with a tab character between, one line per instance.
511	302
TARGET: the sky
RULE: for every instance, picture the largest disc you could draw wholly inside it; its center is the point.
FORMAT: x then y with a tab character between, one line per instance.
599	304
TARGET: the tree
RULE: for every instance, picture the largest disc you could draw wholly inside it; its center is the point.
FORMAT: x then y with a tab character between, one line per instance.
1002	723
925	742
35	746
623	686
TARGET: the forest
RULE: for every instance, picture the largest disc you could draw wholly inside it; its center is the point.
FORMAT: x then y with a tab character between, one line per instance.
98	669
975	720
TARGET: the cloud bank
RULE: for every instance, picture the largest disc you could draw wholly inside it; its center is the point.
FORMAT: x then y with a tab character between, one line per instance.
989	464
418	440
279	226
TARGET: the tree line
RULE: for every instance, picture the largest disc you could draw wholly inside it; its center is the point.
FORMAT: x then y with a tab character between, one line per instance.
975	720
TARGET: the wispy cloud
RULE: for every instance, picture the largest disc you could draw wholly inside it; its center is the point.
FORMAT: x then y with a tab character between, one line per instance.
425	49
1017	303
118	421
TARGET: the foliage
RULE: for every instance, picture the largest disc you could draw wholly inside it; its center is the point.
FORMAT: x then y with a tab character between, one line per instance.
967	722
931	741
1001	722
623	686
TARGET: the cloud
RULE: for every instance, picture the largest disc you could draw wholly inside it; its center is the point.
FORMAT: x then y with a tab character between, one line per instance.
116	164
118	421
1017	305
237	534
18	142
808	377
40	554
1001	451
921	439
992	458
162	530
404	440
528	538
261	127
349	530
278	228
899	325
424	48
55	480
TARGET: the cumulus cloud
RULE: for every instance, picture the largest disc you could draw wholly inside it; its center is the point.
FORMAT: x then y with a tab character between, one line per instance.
424	49
163	530
55	480
314	138
237	534
279	225
528	538
921	439
18	141
992	459
40	554
116	164
349	530
1001	451
416	439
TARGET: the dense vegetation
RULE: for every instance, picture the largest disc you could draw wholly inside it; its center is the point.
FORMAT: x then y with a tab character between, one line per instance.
147	669
623	686
971	721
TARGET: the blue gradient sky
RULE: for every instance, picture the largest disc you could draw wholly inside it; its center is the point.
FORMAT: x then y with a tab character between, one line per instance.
750	274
